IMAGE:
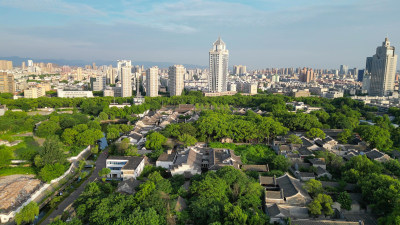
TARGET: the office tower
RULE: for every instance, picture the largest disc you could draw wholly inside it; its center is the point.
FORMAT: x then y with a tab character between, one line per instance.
23	66
306	75
94	66
126	81
355	73
344	69
218	75
7	84
79	74
366	83
152	82
6	65
30	63
120	64
368	65
176	84
99	84
383	70
360	76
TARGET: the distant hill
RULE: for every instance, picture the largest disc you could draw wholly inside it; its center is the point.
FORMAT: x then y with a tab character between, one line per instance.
17	61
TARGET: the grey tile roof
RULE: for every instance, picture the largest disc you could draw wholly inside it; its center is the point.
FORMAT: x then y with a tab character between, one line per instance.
275	210
321	171
165	157
374	154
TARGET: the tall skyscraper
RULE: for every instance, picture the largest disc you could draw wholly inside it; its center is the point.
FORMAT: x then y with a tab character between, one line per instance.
218	75
368	65
176	84
383	70
94	66
7	84
49	67
23	66
344	69
126	81
79	74
110	75
30	63
152	82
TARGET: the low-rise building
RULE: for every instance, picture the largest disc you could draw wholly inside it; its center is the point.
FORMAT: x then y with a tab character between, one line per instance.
74	94
125	167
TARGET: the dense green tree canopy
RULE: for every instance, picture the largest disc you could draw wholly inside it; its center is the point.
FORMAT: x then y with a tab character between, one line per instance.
155	141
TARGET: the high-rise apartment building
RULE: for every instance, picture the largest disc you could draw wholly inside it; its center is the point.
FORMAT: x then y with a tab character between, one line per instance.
120	64
383	70
99	84
23	66
176	84
218	75
6	65
7	84
110	75
94	66
30	63
152	82
239	69
126	81
49	67
34	92
306	75
79	76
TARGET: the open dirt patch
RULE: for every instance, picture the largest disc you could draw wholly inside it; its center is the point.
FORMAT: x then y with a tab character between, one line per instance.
16	189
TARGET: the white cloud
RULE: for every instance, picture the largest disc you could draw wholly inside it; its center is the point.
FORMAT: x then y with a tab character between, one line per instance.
53	6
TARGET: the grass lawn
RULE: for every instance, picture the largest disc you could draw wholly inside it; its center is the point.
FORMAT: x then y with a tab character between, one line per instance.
16	170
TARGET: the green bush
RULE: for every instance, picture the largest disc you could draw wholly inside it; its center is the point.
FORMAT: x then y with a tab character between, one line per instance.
50	171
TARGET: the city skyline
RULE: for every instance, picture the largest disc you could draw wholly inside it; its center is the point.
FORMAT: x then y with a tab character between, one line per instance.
317	34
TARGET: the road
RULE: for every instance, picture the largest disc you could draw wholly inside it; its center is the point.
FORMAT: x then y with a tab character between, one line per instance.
100	163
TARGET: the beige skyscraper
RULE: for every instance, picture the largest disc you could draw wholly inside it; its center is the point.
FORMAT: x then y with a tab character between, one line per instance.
7	84
176	84
79	74
110	75
126	81
23	65
152	82
383	70
49	67
218	75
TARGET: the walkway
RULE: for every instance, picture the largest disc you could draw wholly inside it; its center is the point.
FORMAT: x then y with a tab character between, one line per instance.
100	163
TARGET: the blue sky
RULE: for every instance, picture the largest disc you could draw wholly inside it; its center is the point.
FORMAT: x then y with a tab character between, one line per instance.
258	33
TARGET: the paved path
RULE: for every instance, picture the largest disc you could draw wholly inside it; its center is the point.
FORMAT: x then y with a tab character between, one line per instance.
100	163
